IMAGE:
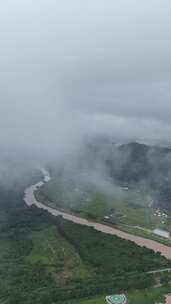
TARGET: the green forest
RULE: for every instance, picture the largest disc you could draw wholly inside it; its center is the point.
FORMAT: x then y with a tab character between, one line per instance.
48	260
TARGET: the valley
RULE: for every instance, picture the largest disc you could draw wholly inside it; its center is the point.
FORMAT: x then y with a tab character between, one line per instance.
47	259
64	240
30	199
130	210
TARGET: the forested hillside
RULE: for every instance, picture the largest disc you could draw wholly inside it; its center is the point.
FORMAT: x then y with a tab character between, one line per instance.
47	260
130	164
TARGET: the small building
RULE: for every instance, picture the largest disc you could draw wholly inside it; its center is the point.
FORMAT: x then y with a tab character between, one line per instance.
106	217
116	299
161	232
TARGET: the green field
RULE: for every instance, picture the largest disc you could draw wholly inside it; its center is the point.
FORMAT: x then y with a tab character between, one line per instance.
149	296
59	256
132	207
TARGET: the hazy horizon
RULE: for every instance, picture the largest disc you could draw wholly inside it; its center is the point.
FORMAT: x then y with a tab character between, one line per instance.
72	70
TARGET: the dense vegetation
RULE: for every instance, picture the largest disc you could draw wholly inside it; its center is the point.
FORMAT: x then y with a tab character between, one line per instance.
48	260
109	254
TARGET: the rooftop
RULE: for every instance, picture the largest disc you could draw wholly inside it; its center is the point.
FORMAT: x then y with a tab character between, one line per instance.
161	232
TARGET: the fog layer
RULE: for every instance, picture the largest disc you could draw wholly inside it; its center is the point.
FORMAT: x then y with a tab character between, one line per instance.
70	69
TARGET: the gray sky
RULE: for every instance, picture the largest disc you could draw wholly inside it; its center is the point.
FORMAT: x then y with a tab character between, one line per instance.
72	68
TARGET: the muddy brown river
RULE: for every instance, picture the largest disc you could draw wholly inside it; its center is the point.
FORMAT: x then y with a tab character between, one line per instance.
30	199
168	299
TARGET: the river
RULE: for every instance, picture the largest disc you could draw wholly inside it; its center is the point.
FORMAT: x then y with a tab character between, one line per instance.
168	299
30	199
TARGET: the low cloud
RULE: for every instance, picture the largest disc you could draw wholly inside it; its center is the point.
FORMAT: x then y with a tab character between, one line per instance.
70	70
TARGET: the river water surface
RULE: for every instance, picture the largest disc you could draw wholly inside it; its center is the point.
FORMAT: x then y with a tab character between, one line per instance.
30	199
168	299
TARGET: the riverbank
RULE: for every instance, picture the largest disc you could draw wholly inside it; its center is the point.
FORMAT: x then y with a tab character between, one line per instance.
30	199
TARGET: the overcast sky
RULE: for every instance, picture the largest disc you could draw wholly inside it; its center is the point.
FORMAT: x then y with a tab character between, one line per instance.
71	68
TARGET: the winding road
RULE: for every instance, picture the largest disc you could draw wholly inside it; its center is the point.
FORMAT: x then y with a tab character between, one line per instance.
30	199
